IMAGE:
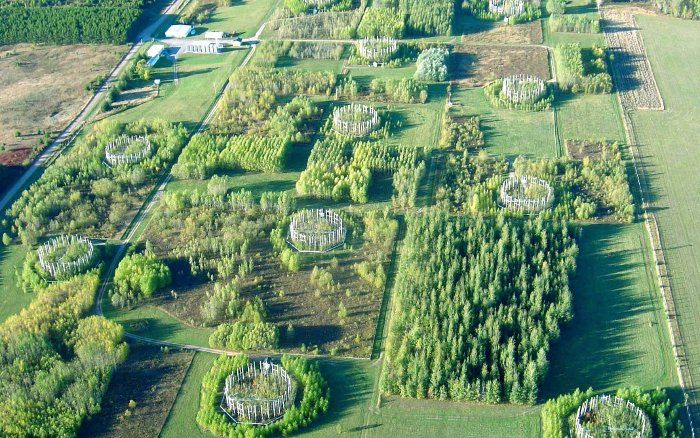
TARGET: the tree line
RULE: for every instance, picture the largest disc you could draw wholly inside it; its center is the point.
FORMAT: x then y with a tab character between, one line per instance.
67	24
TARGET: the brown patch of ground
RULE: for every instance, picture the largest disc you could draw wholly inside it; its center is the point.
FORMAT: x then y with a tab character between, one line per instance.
42	88
475	66
580	149
135	96
490	32
151	378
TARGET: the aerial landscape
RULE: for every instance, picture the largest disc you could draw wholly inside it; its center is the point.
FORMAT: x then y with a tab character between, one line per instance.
366	218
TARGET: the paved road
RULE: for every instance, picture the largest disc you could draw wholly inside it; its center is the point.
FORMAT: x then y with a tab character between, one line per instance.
56	146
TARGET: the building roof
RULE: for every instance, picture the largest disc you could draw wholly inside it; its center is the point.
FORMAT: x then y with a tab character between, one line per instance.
215	34
179	31
155	50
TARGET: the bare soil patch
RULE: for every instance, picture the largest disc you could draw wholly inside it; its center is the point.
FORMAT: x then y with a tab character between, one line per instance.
42	88
151	378
580	149
475	66
489	32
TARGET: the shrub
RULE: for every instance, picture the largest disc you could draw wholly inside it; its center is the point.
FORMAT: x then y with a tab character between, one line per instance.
432	65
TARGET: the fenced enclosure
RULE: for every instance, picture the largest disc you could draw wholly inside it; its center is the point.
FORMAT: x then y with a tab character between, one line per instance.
355	120
525	193
378	49
65	255
203	48
316	230
523	88
606	415
257	393
507	8
319	3
127	149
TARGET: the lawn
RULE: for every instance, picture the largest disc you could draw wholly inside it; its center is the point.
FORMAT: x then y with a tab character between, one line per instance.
509	132
619	334
588	117
242	19
12	298
668	142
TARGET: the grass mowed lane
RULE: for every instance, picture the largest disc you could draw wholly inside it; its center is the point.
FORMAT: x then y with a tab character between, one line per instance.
619	334
668	142
12	298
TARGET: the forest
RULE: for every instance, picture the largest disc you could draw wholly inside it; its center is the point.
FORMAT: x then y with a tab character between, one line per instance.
111	23
79	193
478	302
582	70
428	17
56	361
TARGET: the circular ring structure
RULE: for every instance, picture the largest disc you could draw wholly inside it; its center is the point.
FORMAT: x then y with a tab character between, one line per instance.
525	193
355	120
127	149
319	3
316	230
257	393
523	88
65	255
507	8
606	415
377	48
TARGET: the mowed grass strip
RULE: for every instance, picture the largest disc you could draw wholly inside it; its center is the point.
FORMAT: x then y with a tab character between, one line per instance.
12	298
618	335
668	143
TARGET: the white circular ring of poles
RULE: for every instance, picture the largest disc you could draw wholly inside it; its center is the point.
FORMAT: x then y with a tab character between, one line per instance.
507	8
631	421
116	151
516	194
355	120
319	2
377	48
316	230
523	88
241	403
52	255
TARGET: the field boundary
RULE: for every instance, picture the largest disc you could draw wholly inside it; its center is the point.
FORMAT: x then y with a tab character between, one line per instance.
654	233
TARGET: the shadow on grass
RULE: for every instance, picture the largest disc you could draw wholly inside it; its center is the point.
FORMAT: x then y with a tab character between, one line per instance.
592	349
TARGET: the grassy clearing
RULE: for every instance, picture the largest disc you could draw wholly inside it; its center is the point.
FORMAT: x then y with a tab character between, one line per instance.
242	19
509	132
181	419
588	117
12	298
668	143
618	335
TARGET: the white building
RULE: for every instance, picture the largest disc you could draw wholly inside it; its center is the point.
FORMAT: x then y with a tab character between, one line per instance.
179	31
214	35
154	53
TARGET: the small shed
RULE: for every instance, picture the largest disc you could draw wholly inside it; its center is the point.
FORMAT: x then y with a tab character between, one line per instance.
179	31
215	35
154	53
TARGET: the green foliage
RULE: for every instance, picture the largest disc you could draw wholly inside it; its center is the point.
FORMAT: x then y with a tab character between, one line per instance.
573	23
198	12
477	304
556	6
137	277
404	90
315	396
56	366
462	134
381	22
372	273
79	194
432	65
557	414
689	9
67	24
323	25
480	8
581	75
495	95
582	189
428	17
405	182
244	335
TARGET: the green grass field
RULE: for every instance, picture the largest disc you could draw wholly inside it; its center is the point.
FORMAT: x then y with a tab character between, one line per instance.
589	117
669	144
243	18
509	132
619	334
12	298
